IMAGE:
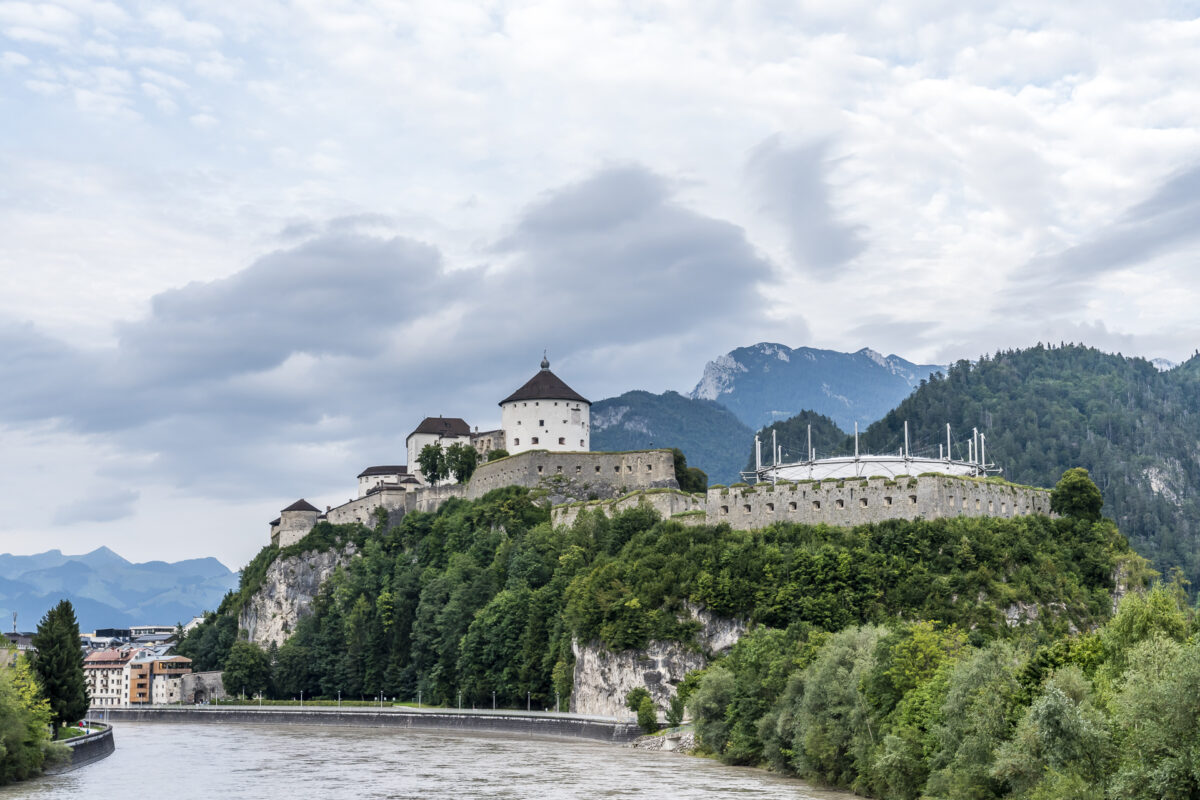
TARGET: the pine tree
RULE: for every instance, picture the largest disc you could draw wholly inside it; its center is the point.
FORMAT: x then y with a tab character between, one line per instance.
59	664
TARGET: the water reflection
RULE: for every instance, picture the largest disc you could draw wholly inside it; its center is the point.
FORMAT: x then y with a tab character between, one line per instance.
299	762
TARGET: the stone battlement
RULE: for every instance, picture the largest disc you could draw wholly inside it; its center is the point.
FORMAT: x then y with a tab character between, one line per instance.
602	475
855	501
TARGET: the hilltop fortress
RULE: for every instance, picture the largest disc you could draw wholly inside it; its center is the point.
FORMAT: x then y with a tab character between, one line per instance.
546	434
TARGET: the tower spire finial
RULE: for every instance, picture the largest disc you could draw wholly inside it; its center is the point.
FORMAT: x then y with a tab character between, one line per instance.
545	360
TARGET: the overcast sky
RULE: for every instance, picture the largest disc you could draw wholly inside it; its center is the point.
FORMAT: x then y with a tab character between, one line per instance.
247	246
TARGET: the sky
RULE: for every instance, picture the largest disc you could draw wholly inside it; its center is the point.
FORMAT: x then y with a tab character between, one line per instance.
247	247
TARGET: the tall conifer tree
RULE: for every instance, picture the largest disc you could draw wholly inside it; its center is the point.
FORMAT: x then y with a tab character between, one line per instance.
59	664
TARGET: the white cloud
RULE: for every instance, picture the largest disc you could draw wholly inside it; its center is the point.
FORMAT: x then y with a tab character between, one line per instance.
959	145
11	59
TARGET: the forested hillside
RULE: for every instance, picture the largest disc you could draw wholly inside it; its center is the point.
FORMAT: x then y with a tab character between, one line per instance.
1045	409
709	434
792	436
486	596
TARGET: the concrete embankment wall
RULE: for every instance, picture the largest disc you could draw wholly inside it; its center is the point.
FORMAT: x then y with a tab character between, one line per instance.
87	749
509	723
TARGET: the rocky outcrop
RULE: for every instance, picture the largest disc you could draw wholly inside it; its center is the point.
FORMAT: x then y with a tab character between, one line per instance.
286	594
603	678
717	634
676	742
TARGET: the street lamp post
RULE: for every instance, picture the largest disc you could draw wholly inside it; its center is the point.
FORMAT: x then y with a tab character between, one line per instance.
528	701
493	700
339	698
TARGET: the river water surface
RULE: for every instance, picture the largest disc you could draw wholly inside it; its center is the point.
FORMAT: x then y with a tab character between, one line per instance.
300	762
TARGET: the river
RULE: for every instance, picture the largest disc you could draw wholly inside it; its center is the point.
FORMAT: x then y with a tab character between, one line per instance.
298	762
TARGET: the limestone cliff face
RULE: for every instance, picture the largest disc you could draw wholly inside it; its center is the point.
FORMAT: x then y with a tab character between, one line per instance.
287	593
602	678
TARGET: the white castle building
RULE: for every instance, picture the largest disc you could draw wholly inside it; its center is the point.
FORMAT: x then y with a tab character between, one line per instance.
543	414
546	414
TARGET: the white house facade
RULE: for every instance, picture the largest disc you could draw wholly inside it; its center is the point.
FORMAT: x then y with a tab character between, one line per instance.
442	431
546	414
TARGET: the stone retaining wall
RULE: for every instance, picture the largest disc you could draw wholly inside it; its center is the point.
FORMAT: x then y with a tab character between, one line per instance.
669	503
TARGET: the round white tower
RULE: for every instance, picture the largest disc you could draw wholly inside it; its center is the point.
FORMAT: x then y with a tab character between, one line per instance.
546	414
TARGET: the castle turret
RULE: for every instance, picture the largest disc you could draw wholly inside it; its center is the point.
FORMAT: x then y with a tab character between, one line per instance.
295	522
546	414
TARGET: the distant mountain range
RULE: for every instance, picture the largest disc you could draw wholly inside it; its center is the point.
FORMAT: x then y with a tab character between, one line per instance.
768	382
108	591
749	388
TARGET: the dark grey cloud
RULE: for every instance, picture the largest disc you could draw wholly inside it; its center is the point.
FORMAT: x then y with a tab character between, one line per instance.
98	507
790	183
1163	223
322	356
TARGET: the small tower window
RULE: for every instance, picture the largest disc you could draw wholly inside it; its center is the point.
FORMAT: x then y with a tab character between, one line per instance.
516	441
771	507
887	501
816	505
562	440
912	499
597	468
534	440
862	502
839	503
541	423
724	509
791	506
746	508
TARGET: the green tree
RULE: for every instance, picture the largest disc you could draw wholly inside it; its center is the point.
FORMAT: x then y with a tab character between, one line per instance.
1157	716
633	698
248	670
461	461
497	454
25	745
59	664
647	715
709	704
690	479
432	461
1075	495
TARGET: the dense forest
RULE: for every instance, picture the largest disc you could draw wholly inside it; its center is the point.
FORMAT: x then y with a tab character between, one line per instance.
1046	409
486	596
917	710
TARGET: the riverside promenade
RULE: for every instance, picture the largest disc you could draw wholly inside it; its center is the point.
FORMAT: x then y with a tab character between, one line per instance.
532	724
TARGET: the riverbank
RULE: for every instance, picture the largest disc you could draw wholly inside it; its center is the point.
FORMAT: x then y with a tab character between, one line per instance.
87	749
532	724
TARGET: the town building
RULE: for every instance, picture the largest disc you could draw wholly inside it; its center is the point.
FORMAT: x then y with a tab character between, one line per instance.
104	673
131	676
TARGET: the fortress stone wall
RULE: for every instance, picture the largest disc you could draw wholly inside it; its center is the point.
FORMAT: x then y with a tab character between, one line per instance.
861	500
669	503
579	475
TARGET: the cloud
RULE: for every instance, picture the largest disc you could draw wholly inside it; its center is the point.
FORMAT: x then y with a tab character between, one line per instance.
260	378
790	182
1166	222
98	507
